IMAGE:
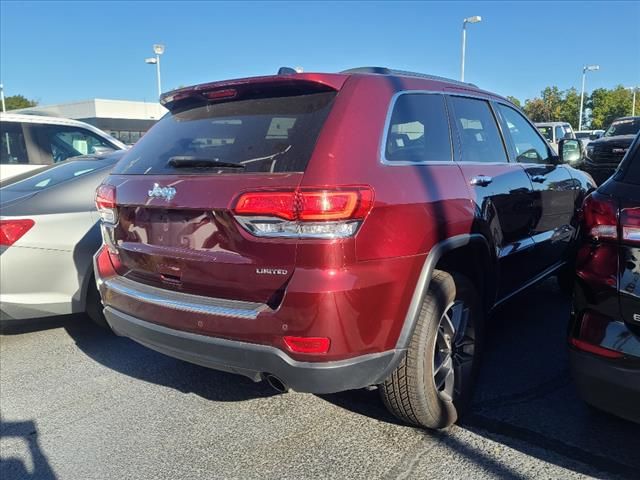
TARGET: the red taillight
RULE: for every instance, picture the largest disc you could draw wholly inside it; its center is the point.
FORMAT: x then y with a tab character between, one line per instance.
305	212
307	344
308	204
600	216
595	349
593	328
267	204
106	202
12	230
327	205
630	224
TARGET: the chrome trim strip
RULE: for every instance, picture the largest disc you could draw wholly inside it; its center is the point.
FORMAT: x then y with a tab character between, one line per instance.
184	302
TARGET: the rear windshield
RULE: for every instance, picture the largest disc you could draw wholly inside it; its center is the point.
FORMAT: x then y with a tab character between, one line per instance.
255	135
51	175
623	127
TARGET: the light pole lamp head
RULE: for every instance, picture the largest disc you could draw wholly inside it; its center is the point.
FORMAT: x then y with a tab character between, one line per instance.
474	19
158	49
591	68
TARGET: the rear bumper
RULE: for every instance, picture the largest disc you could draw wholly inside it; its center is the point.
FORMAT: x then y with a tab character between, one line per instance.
254	360
610	385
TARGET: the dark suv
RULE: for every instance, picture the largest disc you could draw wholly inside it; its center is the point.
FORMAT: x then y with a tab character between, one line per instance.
605	154
328	232
605	330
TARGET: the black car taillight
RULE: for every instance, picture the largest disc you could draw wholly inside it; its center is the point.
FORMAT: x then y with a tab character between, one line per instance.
600	217
630	225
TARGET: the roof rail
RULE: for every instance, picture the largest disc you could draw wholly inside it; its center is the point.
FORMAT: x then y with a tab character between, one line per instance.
388	71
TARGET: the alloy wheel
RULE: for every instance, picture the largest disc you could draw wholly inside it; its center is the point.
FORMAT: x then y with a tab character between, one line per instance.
454	350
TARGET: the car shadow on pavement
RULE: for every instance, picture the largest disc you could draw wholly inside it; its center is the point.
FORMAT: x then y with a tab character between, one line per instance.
11	467
127	357
525	398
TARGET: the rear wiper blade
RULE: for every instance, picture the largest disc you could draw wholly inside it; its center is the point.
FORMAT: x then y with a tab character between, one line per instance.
186	161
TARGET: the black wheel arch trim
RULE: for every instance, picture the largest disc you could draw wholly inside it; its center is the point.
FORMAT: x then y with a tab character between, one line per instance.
421	288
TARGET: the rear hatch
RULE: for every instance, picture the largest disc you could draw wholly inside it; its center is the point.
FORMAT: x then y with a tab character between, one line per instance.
624	193
176	187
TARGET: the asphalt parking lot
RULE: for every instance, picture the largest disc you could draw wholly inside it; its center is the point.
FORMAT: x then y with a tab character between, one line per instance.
79	403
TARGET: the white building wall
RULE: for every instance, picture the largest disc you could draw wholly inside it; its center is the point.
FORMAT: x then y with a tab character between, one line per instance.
102	108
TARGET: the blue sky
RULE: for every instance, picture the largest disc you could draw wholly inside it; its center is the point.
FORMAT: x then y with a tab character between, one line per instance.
65	51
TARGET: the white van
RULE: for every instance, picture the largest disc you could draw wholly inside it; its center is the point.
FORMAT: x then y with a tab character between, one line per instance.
32	141
555	131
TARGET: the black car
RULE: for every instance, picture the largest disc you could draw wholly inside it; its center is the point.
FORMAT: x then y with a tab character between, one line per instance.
604	334
605	154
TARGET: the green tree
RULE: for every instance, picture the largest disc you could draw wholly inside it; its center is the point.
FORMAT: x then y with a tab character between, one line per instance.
552	98
515	101
607	105
535	110
19	101
570	108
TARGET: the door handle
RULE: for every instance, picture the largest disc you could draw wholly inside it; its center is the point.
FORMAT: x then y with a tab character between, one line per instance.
480	181
539	178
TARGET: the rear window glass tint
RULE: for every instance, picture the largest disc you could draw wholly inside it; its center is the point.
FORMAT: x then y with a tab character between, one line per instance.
261	134
418	130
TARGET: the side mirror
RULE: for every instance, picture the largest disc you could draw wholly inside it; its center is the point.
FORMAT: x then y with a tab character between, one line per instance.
569	150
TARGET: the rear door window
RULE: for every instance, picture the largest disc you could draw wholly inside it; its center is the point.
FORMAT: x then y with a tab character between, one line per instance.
63	142
276	134
478	131
418	131
13	148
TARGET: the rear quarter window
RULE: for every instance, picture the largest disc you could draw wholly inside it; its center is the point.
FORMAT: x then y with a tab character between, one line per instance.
275	134
418	130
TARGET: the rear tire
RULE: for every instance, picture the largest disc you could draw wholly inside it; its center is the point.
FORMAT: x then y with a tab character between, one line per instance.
433	384
94	305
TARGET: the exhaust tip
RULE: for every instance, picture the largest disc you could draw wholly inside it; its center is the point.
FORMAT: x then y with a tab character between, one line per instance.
275	383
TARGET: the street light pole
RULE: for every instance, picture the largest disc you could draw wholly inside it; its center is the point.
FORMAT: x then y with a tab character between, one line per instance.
4	106
474	19
585	69
158	49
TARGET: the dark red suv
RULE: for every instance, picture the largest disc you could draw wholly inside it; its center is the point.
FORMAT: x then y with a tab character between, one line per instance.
327	232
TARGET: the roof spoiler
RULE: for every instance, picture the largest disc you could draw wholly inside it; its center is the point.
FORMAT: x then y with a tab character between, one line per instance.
284	84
